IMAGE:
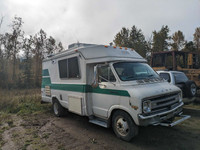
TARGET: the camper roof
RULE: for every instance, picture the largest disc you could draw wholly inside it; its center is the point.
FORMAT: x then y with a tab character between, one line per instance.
101	53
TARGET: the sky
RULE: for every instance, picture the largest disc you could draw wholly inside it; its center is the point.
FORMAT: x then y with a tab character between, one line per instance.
98	21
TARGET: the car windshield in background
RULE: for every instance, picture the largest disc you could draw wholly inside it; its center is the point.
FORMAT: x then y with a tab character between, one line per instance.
128	71
180	77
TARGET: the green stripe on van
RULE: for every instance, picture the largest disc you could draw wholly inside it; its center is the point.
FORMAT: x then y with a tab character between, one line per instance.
110	92
45	72
46	81
69	87
83	88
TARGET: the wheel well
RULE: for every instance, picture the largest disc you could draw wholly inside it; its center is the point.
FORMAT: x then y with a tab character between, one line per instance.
54	99
111	115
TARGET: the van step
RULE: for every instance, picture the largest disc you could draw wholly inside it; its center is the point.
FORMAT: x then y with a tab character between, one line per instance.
99	122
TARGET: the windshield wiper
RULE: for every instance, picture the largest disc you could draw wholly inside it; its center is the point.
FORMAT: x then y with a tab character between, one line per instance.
151	75
130	77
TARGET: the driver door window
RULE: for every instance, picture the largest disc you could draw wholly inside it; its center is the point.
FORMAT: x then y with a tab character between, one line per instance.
106	74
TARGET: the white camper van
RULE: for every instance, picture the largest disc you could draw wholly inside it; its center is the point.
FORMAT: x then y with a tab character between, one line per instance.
113	86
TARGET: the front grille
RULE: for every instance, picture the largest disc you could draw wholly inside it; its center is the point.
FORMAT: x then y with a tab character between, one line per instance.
163	103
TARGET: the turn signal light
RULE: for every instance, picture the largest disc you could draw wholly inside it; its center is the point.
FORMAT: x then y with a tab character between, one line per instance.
135	107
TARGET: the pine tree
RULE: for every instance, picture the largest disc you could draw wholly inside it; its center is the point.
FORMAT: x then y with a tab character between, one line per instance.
160	39
197	39
60	47
39	52
133	38
122	38
137	41
189	47
16	42
51	45
27	72
178	41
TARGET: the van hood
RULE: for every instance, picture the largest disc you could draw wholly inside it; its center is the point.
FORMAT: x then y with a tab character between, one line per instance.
142	91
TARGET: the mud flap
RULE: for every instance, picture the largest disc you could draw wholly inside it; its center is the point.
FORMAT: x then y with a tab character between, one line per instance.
171	124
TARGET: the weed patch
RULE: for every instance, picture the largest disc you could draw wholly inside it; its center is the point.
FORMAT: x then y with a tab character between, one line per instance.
22	102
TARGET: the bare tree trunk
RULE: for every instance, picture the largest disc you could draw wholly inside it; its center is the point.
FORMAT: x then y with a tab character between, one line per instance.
36	70
14	65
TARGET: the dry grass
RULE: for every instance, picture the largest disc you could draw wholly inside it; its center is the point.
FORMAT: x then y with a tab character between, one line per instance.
21	101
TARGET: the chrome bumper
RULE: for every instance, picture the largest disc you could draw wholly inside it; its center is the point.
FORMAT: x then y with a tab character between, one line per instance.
168	124
162	118
160	114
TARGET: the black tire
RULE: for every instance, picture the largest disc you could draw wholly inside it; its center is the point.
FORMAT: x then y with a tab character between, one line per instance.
123	126
58	109
191	88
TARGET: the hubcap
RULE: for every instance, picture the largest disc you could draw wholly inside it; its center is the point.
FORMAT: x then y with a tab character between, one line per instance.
55	108
193	89
122	126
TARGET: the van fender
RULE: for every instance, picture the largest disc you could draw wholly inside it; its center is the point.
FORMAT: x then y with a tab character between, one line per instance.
62	103
54	97
119	107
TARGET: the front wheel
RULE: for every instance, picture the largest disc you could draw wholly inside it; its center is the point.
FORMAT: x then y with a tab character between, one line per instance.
123	126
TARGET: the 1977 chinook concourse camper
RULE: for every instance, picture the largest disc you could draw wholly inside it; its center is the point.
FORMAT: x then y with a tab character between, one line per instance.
113	86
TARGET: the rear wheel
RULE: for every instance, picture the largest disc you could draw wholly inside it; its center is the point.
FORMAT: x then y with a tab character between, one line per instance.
123	126
58	109
191	88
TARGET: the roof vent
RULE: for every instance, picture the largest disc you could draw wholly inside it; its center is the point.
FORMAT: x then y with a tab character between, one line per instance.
76	45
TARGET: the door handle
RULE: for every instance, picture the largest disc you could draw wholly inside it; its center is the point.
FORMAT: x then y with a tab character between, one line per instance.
114	92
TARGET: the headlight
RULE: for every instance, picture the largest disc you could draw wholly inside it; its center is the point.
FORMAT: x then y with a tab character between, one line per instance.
146	106
180	97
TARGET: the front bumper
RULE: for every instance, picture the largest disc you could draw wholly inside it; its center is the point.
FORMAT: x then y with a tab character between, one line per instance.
171	124
159	118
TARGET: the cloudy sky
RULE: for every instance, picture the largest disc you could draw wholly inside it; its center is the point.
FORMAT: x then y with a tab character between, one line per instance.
98	21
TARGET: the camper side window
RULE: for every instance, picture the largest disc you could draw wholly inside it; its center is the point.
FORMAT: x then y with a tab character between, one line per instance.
106	74
63	68
69	68
73	67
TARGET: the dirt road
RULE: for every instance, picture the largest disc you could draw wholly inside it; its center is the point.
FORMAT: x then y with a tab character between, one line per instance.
44	131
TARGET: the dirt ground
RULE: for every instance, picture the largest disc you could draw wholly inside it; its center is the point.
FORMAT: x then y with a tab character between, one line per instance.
45	131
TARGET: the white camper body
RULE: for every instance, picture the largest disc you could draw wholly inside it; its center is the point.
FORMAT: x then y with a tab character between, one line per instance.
88	80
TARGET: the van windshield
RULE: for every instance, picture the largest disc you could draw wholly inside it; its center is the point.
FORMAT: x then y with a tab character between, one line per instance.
128	71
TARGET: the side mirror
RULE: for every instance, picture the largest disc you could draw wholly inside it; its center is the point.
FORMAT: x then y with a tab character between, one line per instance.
95	82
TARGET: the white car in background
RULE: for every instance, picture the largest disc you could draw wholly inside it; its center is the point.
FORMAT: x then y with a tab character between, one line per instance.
188	87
